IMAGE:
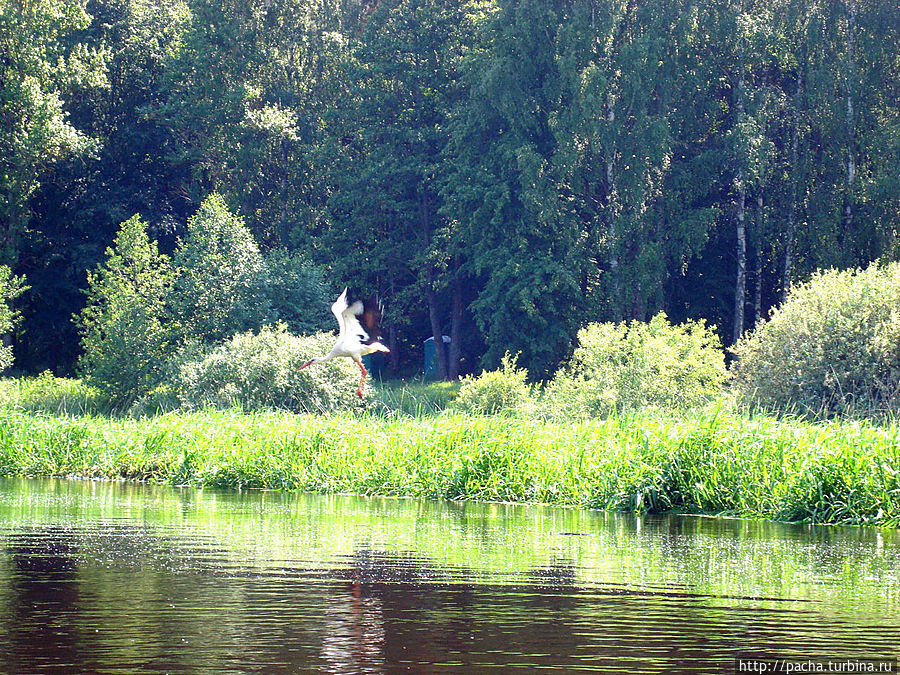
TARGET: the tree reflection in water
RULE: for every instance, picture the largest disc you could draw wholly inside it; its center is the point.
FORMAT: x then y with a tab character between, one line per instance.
121	578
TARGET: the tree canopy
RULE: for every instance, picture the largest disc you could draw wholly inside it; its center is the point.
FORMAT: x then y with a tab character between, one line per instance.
505	172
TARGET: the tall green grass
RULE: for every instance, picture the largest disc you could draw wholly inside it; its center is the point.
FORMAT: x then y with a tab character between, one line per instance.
54	395
704	462
415	398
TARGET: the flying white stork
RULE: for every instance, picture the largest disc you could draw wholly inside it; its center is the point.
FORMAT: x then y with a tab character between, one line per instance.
354	341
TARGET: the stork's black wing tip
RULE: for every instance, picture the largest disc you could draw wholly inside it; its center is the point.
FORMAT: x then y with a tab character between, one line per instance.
371	317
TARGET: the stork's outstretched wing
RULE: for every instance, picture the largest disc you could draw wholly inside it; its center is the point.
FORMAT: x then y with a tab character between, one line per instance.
361	319
338	309
355	341
351	323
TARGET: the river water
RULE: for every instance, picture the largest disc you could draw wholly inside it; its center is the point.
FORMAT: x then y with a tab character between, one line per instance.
108	577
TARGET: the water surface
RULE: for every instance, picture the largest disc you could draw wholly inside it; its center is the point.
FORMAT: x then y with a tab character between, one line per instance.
105	577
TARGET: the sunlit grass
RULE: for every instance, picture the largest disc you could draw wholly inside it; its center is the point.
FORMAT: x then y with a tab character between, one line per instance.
55	395
715	462
415	398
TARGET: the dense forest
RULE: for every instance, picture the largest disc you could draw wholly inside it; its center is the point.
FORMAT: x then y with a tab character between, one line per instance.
499	171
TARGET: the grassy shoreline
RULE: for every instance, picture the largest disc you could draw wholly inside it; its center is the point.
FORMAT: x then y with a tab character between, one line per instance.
721	463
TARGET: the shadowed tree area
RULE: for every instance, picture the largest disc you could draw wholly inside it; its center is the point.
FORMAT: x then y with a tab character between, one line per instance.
500	171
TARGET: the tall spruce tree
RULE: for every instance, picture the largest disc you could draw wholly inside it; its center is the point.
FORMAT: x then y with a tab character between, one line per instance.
127	325
220	289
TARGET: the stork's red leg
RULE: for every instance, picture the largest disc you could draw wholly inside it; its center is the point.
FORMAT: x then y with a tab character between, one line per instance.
362	379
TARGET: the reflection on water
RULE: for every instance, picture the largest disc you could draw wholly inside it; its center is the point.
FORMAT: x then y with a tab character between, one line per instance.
122	578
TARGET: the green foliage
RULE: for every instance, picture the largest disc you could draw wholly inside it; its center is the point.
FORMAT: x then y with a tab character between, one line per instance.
220	289
832	348
715	463
11	287
385	159
146	315
417	397
498	391
247	96
126	326
53	395
39	65
82	200
297	292
261	370
622	366
563	162
510	224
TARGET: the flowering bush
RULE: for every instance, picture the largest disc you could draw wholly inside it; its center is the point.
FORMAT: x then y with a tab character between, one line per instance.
832	348
262	370
633	365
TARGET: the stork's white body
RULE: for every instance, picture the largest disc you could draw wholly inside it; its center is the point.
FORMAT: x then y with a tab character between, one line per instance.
353	340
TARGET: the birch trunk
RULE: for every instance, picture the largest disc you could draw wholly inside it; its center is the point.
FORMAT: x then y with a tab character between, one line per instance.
393	342
394	346
434	317
431	297
757	288
613	216
795	179
740	284
851	130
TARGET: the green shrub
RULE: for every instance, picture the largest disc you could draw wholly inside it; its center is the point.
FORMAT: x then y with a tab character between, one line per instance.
143	308
832	348
11	287
261	370
125	325
297	292
504	390
623	366
417	397
55	395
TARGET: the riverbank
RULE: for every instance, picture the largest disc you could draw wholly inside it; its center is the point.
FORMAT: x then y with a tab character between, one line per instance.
723	463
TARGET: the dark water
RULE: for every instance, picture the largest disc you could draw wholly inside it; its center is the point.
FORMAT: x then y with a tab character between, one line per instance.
121	578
